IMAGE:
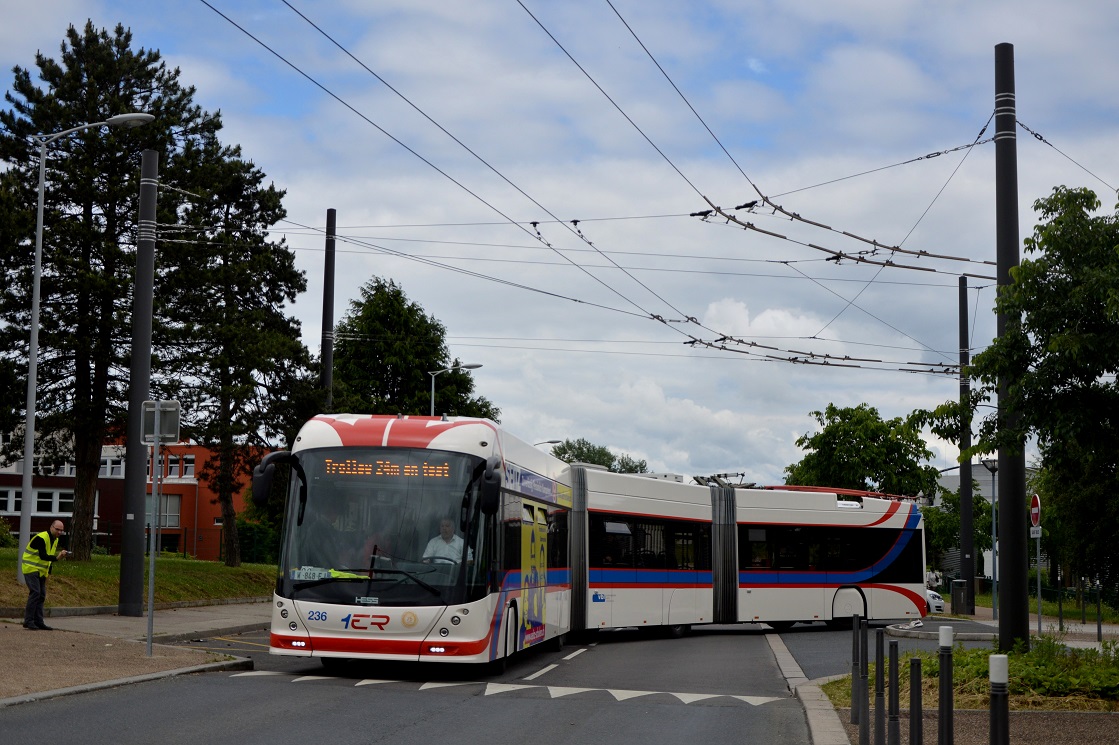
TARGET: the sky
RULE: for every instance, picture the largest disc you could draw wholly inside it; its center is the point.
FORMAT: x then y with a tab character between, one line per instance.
531	173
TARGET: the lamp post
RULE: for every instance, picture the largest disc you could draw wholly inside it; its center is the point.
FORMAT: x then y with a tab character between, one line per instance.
27	497
992	465
433	373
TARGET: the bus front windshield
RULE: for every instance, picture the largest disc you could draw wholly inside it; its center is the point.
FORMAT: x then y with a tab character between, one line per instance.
384	526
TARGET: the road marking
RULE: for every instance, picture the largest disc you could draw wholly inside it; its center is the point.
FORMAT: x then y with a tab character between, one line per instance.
491	689
576	653
540	672
558	692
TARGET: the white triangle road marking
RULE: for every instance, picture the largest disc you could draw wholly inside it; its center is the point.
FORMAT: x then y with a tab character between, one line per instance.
372	682
558	691
622	695
303	678
428	686
492	688
756	700
256	673
688	698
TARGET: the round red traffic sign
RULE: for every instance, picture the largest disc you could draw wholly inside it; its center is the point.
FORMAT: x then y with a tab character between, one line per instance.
1035	511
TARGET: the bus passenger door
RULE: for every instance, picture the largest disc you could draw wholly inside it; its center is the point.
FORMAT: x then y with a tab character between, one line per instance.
534	572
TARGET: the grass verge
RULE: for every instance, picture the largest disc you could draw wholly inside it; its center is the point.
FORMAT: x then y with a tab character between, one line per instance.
1048	677
97	582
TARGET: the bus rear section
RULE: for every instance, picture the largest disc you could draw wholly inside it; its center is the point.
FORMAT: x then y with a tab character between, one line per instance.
659	552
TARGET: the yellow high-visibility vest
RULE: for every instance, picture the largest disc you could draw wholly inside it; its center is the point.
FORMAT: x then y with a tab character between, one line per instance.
32	564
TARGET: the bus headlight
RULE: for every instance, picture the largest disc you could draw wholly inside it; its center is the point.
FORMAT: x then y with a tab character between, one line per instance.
455	620
444	631
293	626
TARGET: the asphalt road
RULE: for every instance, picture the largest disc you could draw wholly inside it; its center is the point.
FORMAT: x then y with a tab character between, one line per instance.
716	686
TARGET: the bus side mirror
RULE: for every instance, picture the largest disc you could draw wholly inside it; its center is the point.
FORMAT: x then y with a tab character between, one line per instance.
262	478
491	486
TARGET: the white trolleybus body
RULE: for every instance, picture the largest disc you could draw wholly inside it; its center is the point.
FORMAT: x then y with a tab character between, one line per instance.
428	539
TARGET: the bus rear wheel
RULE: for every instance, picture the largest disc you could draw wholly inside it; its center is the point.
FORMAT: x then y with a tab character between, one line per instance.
780	626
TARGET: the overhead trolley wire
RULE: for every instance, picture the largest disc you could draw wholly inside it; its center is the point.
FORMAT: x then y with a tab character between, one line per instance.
498	173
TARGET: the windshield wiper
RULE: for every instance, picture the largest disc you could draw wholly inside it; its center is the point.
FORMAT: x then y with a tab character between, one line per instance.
433	590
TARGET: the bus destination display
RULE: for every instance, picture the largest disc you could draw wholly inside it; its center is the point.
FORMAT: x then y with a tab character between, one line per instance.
386	469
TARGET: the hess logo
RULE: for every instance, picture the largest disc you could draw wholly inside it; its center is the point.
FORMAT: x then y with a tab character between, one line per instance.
365	621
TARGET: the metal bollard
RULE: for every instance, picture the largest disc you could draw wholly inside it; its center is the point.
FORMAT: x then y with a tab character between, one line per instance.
855	627
864	687
1000	699
945	728
893	729
879	687
916	712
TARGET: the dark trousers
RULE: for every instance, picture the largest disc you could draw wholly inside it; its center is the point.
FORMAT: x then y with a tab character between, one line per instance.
36	597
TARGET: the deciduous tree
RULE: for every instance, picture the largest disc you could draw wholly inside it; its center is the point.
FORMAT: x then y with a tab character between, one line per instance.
856	449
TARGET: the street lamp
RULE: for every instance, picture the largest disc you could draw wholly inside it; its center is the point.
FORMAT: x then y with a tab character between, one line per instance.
134	119
433	373
992	465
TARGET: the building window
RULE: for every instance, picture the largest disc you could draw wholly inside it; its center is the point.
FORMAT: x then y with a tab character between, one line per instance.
169	510
46	502
188	466
173	467
112	468
218	521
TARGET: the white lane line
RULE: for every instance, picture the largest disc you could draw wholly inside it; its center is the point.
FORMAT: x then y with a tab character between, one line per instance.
540	672
303	678
372	682
576	653
256	673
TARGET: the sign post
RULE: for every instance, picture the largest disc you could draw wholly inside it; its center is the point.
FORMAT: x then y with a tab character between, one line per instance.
1035	533
160	423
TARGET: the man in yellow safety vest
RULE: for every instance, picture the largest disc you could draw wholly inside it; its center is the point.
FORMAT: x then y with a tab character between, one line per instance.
38	559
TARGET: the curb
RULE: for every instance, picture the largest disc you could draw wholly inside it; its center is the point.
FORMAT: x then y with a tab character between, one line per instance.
237	663
966	636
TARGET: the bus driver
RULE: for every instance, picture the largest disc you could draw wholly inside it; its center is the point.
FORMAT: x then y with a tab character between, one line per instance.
446	546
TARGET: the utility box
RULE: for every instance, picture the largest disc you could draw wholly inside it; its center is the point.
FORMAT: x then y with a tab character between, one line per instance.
959	596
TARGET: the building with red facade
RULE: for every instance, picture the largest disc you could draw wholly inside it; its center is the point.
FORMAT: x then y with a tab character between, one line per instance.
190	519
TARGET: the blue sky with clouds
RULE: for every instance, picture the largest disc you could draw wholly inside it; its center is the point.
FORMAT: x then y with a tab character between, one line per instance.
583	111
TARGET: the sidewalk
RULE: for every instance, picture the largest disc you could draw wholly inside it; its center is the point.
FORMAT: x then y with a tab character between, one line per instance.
89	651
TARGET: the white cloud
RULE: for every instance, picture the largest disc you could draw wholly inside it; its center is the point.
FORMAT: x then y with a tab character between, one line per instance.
798	94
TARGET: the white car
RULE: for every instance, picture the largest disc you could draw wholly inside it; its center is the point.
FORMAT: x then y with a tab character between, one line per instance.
936	602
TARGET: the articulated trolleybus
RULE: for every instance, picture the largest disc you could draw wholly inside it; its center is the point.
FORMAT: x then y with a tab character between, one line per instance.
434	539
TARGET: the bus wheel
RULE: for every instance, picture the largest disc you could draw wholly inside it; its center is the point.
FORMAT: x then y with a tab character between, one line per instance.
677	630
780	626
839	624
555	644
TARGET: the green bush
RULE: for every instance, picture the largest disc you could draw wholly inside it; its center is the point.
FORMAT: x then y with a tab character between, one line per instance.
259	543
8	539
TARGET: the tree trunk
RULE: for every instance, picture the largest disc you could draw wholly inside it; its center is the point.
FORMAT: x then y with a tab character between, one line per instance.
87	457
